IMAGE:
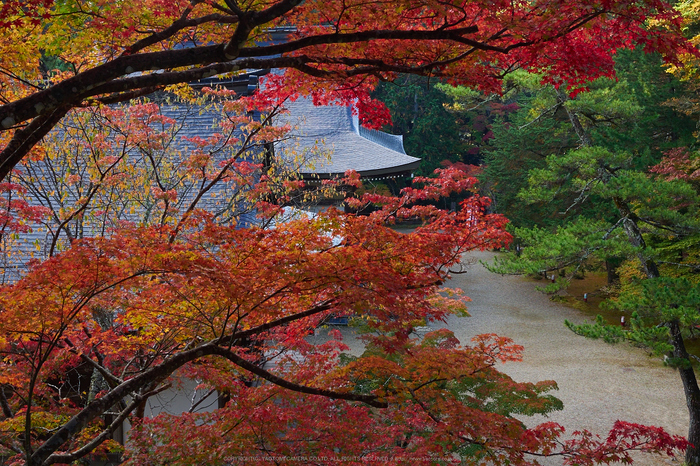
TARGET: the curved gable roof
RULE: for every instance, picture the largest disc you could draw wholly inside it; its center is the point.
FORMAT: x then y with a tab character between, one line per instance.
334	128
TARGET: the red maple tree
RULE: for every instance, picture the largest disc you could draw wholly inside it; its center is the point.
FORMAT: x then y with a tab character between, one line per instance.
142	311
107	51
90	334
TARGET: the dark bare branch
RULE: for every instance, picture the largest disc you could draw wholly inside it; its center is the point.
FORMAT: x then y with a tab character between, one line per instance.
347	38
25	138
105	434
126	96
160	372
324	306
260	372
73	90
177	26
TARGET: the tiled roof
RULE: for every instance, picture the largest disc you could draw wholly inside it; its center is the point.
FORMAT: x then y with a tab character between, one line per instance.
335	129
16	250
329	128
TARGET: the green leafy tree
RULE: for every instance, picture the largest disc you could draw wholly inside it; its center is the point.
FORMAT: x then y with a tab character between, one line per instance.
626	114
617	210
418	112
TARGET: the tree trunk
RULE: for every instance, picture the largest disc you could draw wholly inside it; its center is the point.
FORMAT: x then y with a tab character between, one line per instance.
611	266
692	394
686	371
585	138
634	234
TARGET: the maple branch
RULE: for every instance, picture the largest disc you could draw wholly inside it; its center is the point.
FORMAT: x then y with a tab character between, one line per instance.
422	405
115	381
179	25
233	7
124	96
106	432
92	192
91	82
25	138
246	145
201	400
432	381
95	408
371	400
6	410
323	306
247	22
105	78
363	36
75	89
160	372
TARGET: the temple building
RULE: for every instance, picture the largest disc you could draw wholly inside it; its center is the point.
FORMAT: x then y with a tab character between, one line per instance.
325	142
344	144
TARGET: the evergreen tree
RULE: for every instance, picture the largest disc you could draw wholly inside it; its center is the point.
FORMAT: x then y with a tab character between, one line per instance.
617	212
418	112
627	114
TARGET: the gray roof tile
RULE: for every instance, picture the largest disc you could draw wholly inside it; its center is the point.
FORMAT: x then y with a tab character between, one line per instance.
352	147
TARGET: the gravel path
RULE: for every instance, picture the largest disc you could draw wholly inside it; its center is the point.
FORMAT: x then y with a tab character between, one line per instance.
598	383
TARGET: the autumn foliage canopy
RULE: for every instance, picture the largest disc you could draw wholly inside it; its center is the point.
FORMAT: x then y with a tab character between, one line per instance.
232	307
143	284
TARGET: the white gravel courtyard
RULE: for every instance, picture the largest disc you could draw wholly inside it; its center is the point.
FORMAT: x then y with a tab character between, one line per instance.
598	383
